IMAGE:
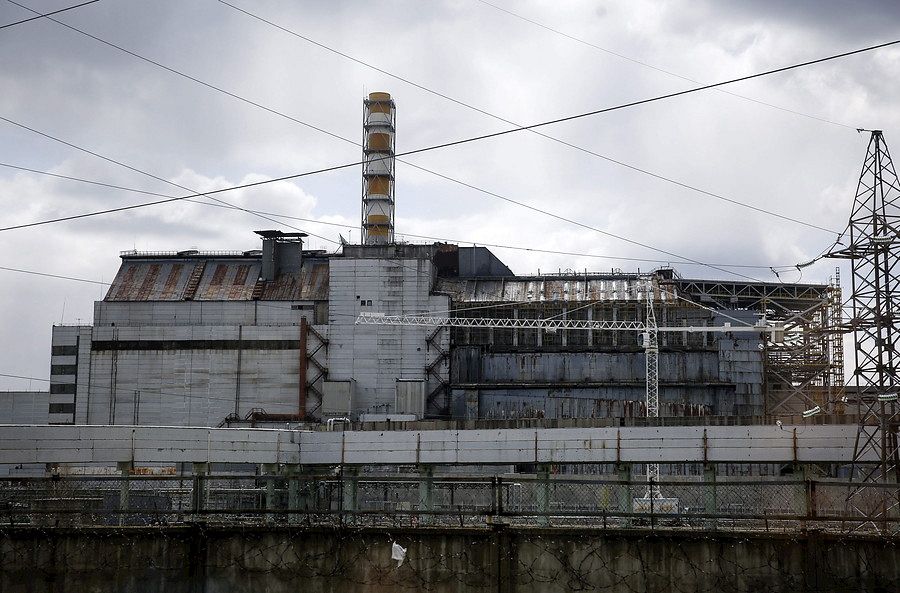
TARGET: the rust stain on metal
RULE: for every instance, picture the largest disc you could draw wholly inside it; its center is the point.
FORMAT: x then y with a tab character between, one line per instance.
172	281
230	280
124	284
149	281
309	284
240	277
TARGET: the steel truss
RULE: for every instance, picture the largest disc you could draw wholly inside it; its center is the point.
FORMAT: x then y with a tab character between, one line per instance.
548	324
874	233
806	368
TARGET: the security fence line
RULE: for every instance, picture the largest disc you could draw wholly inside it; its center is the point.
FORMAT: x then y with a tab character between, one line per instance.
344	496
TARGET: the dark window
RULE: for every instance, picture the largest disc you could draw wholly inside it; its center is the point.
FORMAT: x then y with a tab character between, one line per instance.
64	350
64	388
63	369
68	408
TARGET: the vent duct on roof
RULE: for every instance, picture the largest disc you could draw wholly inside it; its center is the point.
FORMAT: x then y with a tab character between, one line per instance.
281	253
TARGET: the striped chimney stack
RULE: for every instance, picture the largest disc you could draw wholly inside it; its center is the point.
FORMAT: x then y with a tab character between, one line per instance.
379	125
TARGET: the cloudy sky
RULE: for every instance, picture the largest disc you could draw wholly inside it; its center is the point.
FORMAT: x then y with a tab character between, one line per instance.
785	143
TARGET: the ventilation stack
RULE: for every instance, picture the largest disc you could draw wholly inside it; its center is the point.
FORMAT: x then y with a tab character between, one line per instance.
379	119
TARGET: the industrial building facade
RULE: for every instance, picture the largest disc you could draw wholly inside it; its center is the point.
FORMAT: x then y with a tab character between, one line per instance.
197	338
208	338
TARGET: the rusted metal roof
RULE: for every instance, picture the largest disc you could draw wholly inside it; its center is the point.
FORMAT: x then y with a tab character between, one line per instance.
222	279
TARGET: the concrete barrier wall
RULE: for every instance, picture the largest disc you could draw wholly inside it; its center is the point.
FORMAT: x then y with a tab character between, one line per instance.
501	559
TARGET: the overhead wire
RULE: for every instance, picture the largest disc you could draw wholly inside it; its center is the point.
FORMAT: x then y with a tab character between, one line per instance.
318	171
422	87
353	227
45	14
298	121
136	170
57	276
143	390
539	133
657	68
209	193
519	129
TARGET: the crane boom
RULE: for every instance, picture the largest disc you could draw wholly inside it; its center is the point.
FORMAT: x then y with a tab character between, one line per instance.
549	324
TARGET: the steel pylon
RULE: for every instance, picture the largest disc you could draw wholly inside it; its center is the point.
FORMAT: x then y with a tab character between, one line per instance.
874	253
651	354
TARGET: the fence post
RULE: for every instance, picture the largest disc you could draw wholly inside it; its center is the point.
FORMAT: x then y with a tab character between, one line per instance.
710	502
268	471
543	494
802	491
426	493
811	510
124	468
625	503
349	478
293	486
200	471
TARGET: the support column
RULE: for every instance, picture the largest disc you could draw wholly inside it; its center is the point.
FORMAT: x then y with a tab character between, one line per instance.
564	338
349	483
293	487
198	494
623	471
124	468
269	471
590	334
515	330
802	492
615	335
543	493
710	498
426	494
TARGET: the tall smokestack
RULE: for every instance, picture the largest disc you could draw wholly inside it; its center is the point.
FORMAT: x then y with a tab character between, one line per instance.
379	125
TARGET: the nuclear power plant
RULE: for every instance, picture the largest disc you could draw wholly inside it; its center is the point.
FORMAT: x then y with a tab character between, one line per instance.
285	334
294	411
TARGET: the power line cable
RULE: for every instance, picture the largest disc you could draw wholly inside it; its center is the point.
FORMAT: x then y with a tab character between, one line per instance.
657	68
44	15
142	172
416	236
407	81
335	168
57	276
514	130
542	134
144	390
207	194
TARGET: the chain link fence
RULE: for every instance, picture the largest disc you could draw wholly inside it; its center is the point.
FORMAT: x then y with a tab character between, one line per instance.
346	497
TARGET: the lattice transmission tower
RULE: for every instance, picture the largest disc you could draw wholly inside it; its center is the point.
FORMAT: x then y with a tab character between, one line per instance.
874	254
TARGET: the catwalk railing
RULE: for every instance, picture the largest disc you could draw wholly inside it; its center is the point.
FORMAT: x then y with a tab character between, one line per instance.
342	498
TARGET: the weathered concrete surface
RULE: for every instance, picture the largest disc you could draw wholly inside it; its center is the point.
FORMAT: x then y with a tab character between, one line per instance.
213	560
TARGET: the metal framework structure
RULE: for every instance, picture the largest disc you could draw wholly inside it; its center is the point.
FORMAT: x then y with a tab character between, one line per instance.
802	370
651	358
546	324
874	233
836	380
